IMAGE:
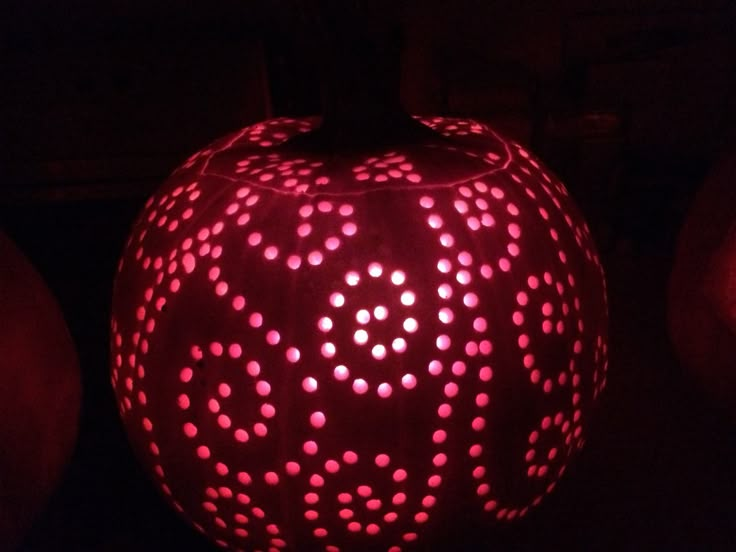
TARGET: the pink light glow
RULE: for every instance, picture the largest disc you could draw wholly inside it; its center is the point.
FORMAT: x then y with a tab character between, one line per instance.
367	290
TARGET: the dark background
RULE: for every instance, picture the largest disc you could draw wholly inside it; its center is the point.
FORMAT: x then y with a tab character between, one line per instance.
630	102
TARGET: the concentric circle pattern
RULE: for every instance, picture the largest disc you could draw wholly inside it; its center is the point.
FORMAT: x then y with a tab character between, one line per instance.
329	352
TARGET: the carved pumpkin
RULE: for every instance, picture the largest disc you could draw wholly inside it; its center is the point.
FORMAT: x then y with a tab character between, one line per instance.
39	397
336	351
702	294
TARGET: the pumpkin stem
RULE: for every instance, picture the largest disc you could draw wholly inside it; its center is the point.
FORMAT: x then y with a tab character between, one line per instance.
359	46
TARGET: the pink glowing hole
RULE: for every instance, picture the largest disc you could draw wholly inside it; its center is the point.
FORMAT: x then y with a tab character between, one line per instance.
349	229
446	240
399	345
443	342
378	351
459	368
435	367
384	390
383	460
317	419
294	262
255	320
239	302
263	388
444	266
375	269
363	316
324	324
310	447
451	390
350	457
273	337
337	299
444	410
328	350
309	384
399	476
221	288
341	373
408	381
352	278
254	238
444	291
470	300
360	386
408	298
185	375
463	277
435	221
315	258
360	337
380	312
399	498
332	243
410	325
332	466
253	368
292	354
398	277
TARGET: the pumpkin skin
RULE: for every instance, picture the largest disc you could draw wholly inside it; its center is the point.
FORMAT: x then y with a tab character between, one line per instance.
702	291
40	395
336	352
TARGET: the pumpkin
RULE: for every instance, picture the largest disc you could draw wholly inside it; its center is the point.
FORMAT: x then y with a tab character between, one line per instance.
40	395
337	349
702	291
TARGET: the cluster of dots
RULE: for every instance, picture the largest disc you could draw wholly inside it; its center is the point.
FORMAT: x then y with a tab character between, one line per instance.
360	321
186	234
390	166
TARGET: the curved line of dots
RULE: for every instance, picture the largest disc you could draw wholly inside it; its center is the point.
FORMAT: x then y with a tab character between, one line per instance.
600	360
561	310
292	173
390	166
158	213
145	317
361	495
581	232
216	406
340	300
188	265
538	470
293	260
240	520
447	240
